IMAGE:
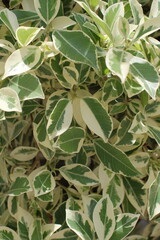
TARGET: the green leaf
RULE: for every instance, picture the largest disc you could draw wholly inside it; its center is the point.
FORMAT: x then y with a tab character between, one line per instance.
65	234
154	198
24	153
137	11
103	218
80	224
96	117
125	223
112	89
60	118
138	126
25	16
114	159
145	74
20	186
18	128
79	175
152	109
27	86
113	13
135	193
155	133
124	137
7	233
10	20
117	61
77	46
25	35
115	190
148	27
23	60
36	230
9	100
43	183
71	140
47	10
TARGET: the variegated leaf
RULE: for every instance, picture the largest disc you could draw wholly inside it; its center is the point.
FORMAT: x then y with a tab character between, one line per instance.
125	223
64	234
36	230
24	153
155	9
104	219
137	11
20	186
114	159
9	100
47	10
96	117
23	60
79	174
80	224
25	35
60	118
76	46
7	233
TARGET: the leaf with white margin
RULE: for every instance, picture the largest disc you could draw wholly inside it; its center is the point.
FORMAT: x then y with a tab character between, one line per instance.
20	186
10	20
151	178
117	62
64	234
104	219
71	140
155	133
47	10
135	193
154	198
77	46
138	126
60	118
105	176
35	231
115	190
43	183
62	22
24	153
137	11
112	14
123	136
9	100
80	224
25	35
114	159
96	117
27	86
79	175
136	237
89	204
125	223
23	60
152	109
145	74
147	28
7	233
49	229
155	9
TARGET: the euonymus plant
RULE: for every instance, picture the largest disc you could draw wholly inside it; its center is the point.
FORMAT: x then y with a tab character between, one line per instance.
79	120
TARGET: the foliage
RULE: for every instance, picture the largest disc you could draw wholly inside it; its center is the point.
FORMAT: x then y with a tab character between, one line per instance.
79	120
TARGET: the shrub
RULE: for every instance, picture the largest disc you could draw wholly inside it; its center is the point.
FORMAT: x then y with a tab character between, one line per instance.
79	120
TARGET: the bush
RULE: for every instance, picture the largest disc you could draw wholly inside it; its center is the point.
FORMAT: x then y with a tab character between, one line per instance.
79	120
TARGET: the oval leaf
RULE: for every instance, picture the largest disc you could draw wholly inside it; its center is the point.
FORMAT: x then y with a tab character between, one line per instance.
76	46
60	118
20	186
114	159
24	153
79	175
96	117
8	234
25	35
9	100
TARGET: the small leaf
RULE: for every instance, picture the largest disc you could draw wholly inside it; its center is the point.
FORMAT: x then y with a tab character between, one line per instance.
24	153
76	46
25	35
154	198
145	74
96	117
125	223
20	186
60	118
43	183
79	175
23	60
27	86
7	233
10	20
9	100
103	218
47	10
72	140
114	159
80	224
